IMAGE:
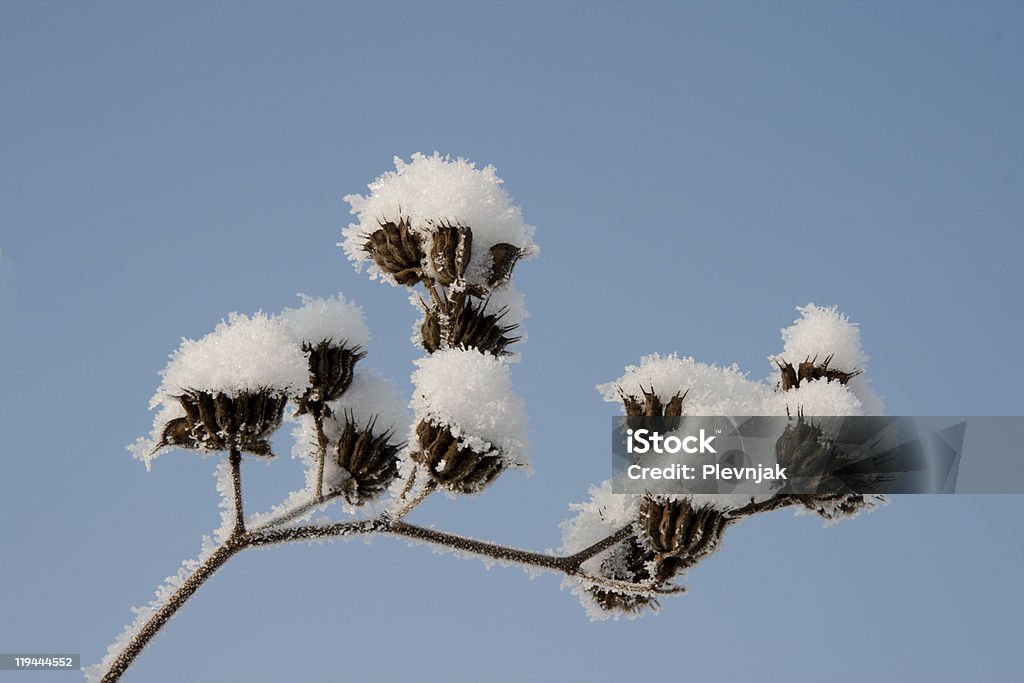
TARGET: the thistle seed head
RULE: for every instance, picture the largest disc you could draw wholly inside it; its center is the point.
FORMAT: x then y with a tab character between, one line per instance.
809	370
331	367
679	534
652	407
396	250
813	459
218	422
458	468
469	326
371	460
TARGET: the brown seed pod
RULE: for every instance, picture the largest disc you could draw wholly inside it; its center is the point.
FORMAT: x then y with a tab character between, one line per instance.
814	463
469	326
652	407
458	468
331	367
503	259
809	370
450	250
396	250
679	534
371	460
218	422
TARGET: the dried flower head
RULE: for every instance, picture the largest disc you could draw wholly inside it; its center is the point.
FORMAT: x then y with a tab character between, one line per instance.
679	533
218	422
458	468
396	250
331	367
369	457
469	325
653	408
809	370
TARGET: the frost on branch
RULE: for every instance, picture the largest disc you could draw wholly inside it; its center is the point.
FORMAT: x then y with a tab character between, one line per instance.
671	532
225	390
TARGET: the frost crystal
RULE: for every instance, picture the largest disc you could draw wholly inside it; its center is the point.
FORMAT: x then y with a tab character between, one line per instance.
433	191
710	390
471	393
318	319
241	354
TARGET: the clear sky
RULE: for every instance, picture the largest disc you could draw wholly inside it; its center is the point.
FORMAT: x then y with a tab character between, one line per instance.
694	172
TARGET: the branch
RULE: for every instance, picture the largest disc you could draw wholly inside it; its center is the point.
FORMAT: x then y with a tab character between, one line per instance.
752	508
566	564
184	592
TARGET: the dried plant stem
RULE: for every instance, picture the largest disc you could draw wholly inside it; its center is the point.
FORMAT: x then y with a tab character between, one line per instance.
298	511
569	564
427	489
409	482
271	533
321	453
235	459
752	508
184	592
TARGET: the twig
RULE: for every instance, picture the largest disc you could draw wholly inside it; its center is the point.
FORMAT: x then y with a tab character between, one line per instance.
299	510
321	453
184	592
235	459
427	489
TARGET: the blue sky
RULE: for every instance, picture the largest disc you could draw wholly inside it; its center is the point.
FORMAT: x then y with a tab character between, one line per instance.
694	171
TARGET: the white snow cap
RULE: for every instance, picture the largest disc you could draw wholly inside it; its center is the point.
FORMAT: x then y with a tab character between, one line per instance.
319	319
242	354
727	391
471	393
821	331
430	190
711	390
369	397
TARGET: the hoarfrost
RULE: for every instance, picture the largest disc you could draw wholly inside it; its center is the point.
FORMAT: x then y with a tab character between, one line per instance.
430	190
823	331
333	318
242	354
471	392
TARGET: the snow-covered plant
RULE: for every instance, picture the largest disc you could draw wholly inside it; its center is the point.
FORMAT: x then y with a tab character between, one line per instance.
448	232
